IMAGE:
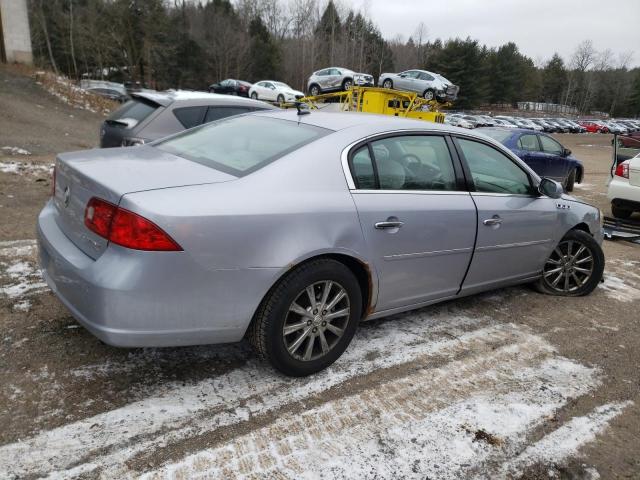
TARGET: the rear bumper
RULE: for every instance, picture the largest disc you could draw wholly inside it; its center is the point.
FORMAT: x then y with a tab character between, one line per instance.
130	298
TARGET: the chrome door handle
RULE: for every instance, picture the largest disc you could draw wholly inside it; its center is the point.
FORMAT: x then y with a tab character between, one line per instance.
386	225
492	221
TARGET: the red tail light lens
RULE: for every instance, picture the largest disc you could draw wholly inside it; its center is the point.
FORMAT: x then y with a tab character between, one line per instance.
126	228
622	170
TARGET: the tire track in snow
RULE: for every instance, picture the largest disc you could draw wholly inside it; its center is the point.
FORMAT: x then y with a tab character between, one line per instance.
422	426
111	438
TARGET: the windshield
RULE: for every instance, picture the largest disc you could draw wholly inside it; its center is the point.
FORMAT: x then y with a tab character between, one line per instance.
497	134
240	145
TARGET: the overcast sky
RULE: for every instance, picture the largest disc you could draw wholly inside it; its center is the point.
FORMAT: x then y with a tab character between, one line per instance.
538	27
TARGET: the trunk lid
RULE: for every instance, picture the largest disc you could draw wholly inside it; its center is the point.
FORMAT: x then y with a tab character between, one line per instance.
110	174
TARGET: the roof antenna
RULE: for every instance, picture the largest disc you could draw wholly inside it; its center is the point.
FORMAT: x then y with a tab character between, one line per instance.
303	108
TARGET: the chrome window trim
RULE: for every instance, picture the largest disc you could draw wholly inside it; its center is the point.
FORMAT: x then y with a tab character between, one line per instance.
419	192
344	157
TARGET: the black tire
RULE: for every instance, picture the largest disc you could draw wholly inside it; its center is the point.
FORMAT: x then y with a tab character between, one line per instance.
266	330
388	83
280	99
429	94
347	84
254	95
314	90
570	181
578	238
620	212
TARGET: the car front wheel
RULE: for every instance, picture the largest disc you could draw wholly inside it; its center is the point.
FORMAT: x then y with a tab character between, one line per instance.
428	94
387	84
308	319
314	90
574	267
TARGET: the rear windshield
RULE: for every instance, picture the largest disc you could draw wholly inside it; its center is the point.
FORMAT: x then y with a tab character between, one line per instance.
134	111
499	135
241	145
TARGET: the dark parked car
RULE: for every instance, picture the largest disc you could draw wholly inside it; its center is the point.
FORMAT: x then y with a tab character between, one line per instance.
231	87
150	116
545	155
546	126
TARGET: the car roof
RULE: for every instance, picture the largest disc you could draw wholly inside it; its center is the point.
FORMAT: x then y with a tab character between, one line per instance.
342	120
171	96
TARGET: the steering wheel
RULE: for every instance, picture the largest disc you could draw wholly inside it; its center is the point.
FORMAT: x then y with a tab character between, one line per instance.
418	169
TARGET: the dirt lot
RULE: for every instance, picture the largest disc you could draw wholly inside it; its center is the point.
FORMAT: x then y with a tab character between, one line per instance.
508	384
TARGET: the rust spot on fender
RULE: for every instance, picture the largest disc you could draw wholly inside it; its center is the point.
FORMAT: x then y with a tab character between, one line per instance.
370	305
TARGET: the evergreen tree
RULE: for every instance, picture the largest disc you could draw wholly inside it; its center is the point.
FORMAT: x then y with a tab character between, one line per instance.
554	80
263	52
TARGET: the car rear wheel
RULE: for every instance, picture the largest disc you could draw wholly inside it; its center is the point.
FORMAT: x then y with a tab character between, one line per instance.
387	84
574	268
428	94
570	181
254	95
620	212
314	90
308	319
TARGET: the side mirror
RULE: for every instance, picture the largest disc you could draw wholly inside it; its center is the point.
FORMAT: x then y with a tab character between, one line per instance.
550	188
402	75
566	152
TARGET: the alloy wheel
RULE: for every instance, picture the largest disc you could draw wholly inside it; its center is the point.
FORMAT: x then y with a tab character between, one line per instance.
569	266
316	320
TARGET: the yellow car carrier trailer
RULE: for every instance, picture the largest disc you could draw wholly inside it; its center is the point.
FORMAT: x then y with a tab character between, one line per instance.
382	101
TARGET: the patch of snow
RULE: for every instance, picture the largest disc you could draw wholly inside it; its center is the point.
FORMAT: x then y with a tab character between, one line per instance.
16	151
616	288
569	438
24	278
17	248
22	306
25	167
583	186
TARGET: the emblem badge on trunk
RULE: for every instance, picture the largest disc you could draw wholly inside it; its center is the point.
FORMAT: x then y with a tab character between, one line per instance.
67	194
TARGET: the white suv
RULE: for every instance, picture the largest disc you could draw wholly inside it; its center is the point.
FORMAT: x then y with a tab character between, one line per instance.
624	188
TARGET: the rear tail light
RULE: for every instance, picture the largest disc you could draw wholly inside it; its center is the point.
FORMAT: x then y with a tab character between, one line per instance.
126	228
622	170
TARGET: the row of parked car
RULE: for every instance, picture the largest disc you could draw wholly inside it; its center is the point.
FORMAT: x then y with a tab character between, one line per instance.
549	125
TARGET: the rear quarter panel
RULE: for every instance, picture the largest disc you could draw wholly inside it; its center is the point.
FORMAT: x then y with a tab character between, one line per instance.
294	208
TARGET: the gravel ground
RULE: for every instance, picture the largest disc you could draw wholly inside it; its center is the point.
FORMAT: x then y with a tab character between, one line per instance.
508	384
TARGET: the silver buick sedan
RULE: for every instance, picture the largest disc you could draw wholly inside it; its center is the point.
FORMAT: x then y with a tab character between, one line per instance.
290	228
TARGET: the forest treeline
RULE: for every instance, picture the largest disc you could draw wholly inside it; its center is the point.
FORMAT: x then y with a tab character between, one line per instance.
191	44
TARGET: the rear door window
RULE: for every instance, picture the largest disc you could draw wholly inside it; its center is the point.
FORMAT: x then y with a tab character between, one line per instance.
217	113
190	117
133	112
529	143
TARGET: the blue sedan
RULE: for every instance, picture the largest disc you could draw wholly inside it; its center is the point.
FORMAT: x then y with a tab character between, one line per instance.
545	155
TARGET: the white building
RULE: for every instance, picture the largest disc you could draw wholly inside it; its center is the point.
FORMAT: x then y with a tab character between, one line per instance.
15	36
